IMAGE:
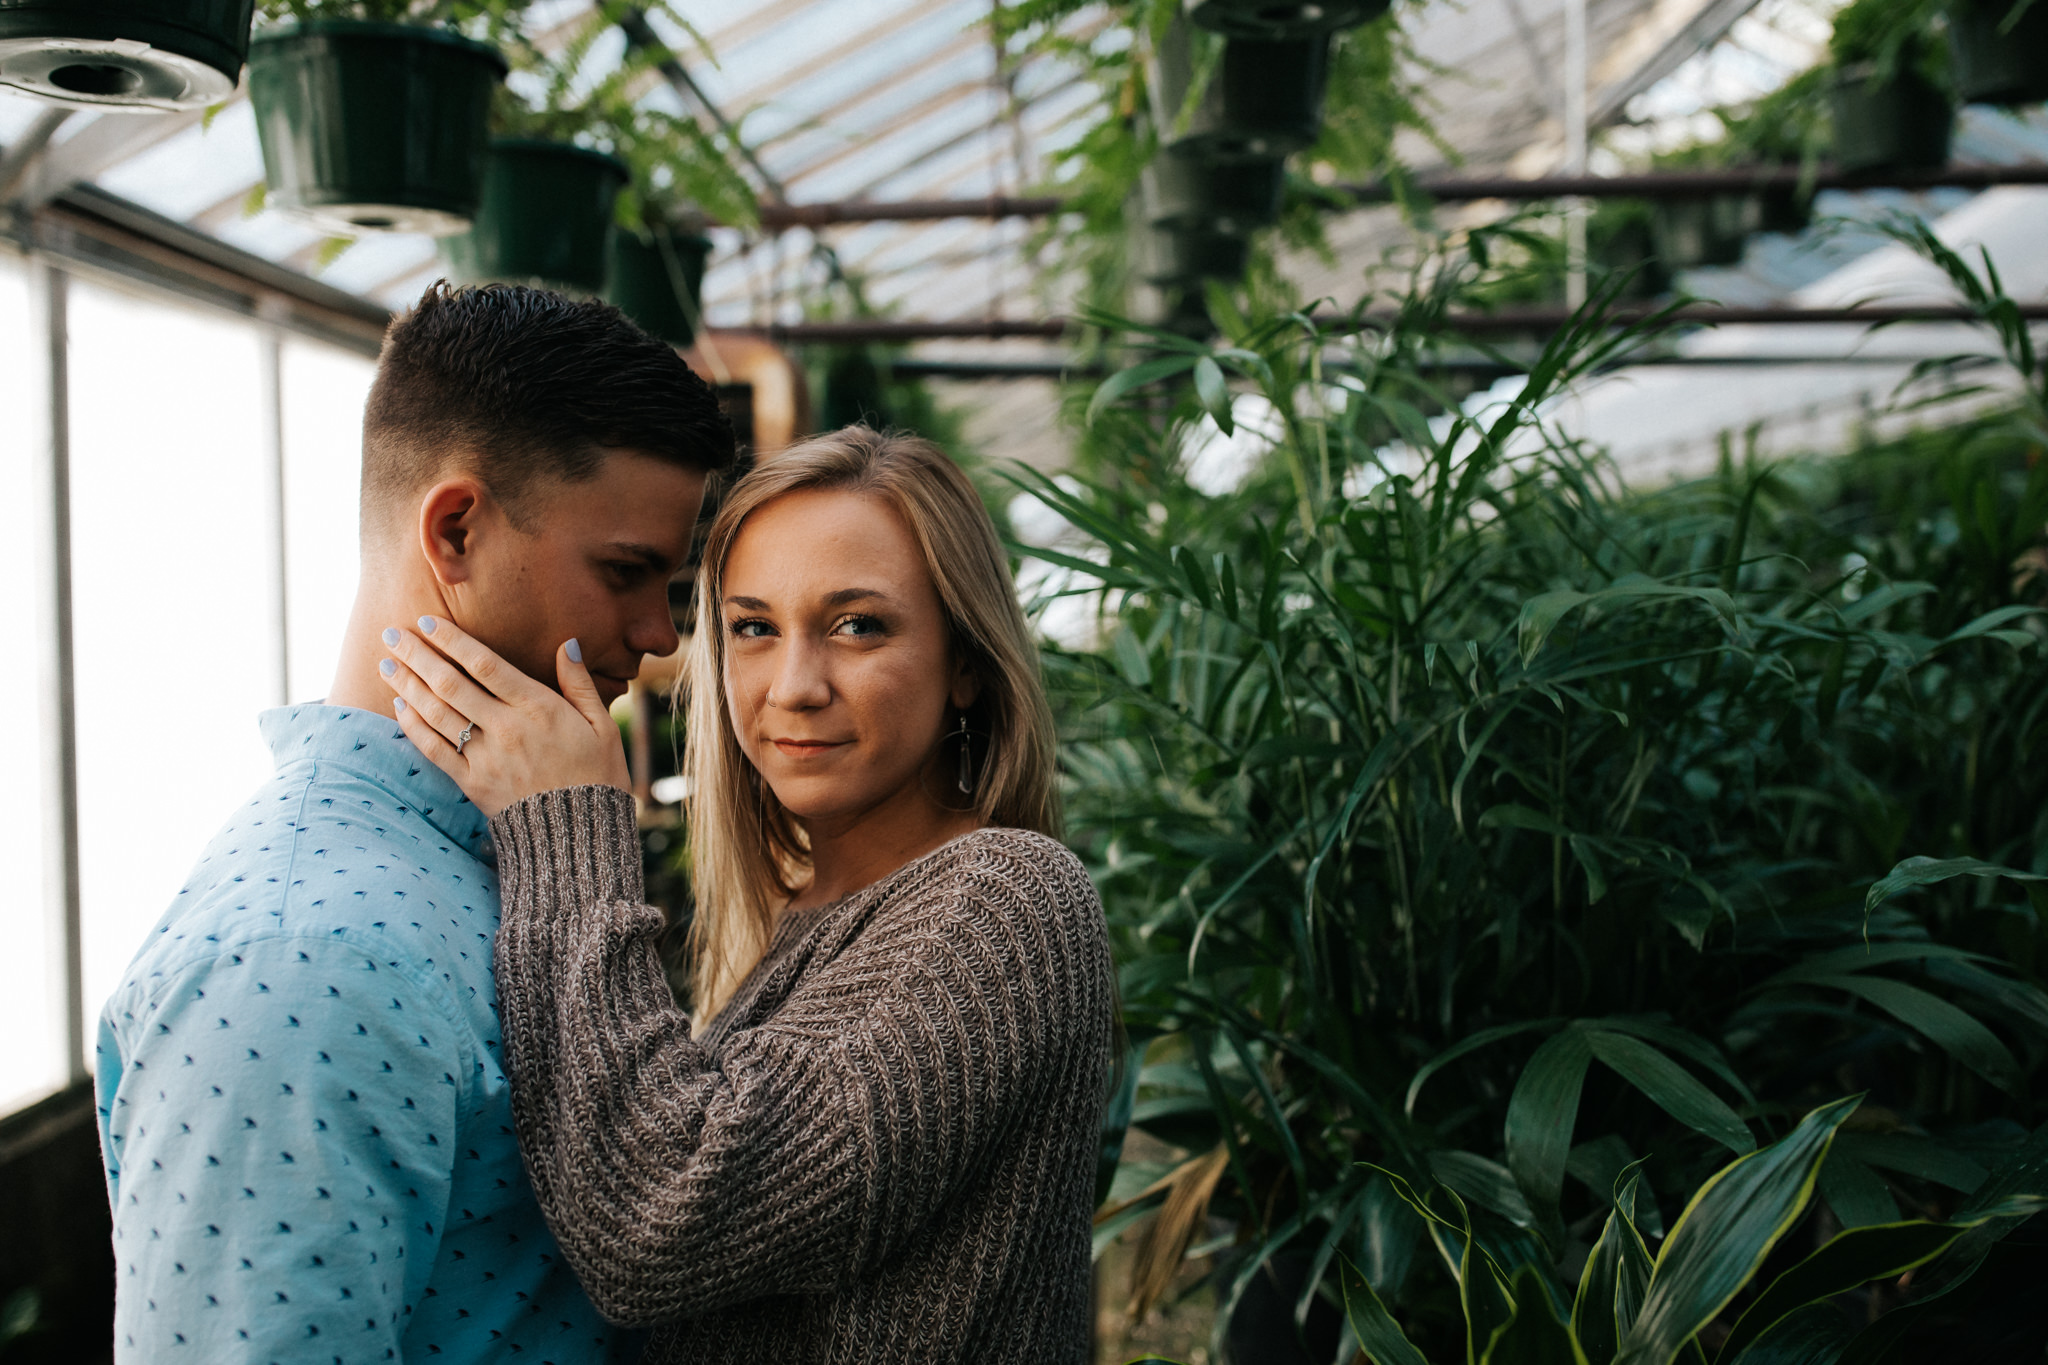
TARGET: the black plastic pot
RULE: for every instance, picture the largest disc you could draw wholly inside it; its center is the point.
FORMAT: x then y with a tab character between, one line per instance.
1711	231
369	127
657	279
1621	241
1283	18
1993	66
1234	197
124	54
1171	256
1902	123
1264	99
545	217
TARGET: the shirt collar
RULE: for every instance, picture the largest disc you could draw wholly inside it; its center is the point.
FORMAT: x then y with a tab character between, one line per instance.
372	746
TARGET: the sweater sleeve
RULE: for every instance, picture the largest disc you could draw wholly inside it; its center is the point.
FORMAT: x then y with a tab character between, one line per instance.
810	1149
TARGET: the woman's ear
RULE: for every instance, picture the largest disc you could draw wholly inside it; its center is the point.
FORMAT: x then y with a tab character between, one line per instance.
966	687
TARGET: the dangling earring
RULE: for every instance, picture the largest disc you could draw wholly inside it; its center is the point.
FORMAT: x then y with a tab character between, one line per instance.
966	759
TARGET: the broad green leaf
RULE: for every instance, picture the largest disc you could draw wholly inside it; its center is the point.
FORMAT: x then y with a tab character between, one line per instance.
1116	1117
1941	1023
1633	1267
1849	1260
1485	1183
1911	1155
1842	961
1725	1233
1123	381
1672	1088
1465	1047
1857	1194
1540	616
1813	1335
2023	1174
1214	393
1130	657
1533	1336
1925	871
1988	622
1541	1112
1379	1336
1611	1287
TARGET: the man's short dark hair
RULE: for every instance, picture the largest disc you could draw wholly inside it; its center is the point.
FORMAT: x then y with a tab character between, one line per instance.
518	386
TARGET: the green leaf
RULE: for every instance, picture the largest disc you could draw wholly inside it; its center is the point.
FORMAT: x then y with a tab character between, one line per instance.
1533	1336
1540	616
1916	1156
1116	1118
1214	393
1485	1183
1849	1260
1130	657
1672	1088
1857	1194
1541	1112
1123	381
1941	1023
1379	1336
1466	1046
1611	1288
1725	1233
1813	1335
1989	622
1925	871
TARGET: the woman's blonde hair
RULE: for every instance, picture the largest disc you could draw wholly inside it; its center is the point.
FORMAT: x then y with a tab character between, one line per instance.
748	854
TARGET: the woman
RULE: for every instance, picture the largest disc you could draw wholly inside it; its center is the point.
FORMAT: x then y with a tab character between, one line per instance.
877	1140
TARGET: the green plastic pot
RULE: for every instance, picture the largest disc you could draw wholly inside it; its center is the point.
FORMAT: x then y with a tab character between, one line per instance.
1234	197
144	55
1994	66
373	127
1902	123
545	217
1621	241
1179	256
1710	231
1283	18
1264	99
657	279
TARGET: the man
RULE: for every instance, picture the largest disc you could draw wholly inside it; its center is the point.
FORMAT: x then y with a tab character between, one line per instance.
303	1102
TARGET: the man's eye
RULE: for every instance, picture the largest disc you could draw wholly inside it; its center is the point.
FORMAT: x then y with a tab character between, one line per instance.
626	571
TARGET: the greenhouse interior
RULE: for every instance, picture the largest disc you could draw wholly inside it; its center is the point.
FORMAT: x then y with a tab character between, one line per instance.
1530	520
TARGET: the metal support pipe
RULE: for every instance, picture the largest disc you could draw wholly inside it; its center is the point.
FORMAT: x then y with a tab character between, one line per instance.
1450	189
270	376
49	293
1575	149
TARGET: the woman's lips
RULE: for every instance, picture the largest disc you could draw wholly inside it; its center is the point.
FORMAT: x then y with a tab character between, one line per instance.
807	748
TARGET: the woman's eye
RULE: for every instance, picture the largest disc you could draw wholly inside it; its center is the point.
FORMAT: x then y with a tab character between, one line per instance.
858	626
751	628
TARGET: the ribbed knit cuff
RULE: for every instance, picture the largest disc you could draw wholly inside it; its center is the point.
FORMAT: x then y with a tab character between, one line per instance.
568	849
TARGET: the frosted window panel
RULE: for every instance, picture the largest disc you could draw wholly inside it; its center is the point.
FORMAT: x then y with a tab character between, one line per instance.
31	967
173	559
324	389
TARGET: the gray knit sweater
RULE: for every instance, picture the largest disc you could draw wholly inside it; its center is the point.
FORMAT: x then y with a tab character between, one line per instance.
883	1149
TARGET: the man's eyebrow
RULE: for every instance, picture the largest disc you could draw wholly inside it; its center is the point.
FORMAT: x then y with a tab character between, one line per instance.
653	557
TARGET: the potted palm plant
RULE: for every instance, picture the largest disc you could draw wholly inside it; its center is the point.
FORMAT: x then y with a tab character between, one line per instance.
2000	50
1891	100
374	114
124	54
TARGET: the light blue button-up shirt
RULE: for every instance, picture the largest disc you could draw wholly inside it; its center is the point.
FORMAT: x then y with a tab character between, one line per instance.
303	1103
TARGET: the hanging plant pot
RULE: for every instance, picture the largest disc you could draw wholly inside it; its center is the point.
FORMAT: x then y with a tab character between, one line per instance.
149	56
1784	208
1994	65
1283	18
545	217
1182	255
1264	99
1902	123
373	127
1621	241
657	279
1711	231
1235	197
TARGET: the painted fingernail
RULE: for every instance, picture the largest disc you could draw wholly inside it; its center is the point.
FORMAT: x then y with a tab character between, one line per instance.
398	703
574	651
386	667
427	624
391	635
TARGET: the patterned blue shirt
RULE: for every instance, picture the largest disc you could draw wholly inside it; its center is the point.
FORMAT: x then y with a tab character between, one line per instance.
302	1095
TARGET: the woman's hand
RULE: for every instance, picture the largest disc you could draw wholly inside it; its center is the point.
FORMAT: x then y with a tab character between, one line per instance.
522	738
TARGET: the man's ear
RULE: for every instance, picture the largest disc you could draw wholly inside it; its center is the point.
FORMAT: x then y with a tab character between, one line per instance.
452	514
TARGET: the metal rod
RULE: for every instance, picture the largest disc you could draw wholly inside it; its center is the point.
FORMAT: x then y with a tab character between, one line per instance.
1506	320
1648	185
270	376
49	293
20	156
1575	149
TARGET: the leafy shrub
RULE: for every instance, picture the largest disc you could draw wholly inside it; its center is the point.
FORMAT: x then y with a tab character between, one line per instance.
1428	768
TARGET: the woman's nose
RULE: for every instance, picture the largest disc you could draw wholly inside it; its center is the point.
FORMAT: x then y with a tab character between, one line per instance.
799	683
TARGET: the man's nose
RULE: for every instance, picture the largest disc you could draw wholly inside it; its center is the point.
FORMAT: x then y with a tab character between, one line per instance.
653	631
